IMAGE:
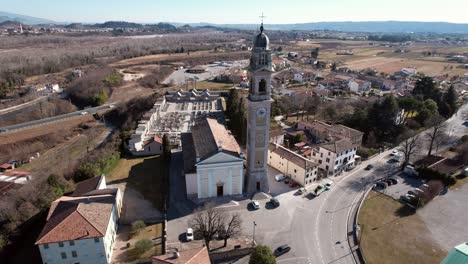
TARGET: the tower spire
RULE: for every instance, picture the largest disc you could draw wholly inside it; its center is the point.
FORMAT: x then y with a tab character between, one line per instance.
261	26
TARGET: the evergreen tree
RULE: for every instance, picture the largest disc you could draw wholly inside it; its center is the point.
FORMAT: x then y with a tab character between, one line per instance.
450	98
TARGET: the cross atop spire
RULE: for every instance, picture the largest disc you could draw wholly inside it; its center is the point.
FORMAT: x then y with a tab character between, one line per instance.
262	17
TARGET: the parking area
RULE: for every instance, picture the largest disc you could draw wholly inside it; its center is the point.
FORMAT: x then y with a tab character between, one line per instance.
404	185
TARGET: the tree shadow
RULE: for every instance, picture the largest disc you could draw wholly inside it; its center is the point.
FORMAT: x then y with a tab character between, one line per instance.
404	211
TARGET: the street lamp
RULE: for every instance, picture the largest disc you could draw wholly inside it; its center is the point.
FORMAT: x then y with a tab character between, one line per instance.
253	239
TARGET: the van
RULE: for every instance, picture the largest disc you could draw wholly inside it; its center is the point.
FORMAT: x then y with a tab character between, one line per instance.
410	171
280	177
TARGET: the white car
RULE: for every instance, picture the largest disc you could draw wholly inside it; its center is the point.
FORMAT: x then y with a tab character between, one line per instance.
84	113
280	177
111	106
395	152
328	185
255	204
189	234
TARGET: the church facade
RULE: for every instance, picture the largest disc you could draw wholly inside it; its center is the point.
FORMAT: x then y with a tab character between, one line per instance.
213	161
258	114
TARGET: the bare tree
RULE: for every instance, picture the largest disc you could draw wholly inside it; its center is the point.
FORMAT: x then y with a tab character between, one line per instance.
229	227
436	133
206	223
409	146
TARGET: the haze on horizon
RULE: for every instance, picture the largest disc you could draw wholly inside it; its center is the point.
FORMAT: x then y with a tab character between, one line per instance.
240	11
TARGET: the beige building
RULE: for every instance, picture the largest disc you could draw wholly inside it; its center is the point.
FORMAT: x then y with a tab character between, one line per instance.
213	162
298	168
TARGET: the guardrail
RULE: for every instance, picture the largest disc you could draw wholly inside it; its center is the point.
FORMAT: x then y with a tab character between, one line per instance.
353	226
48	120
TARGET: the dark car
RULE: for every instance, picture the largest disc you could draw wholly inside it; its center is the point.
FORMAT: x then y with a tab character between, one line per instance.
389	182
380	186
274	202
393	180
282	250
369	167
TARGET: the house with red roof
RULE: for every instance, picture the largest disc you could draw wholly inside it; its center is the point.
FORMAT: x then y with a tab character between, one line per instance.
81	228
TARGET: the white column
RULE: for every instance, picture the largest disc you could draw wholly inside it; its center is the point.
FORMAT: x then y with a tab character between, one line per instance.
198	184
241	189
210	183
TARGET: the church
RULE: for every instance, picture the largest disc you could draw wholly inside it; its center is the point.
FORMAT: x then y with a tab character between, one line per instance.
213	160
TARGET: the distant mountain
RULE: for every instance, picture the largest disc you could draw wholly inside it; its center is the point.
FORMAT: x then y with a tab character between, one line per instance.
349	26
118	24
5	16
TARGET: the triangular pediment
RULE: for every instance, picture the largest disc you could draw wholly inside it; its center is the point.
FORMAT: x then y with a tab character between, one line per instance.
220	157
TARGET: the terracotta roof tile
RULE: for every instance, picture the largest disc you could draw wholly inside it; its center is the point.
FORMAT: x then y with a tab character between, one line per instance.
73	218
209	136
86	186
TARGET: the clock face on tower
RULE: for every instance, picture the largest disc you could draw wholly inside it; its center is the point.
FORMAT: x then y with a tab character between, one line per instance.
261	112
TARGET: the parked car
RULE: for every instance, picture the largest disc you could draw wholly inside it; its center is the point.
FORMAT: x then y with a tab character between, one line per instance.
405	198
189	234
416	192
410	171
280	177
319	189
255	204
301	191
84	113
380	185
394	152
282	250
328	185
389	182
293	184
394	180
274	202
369	167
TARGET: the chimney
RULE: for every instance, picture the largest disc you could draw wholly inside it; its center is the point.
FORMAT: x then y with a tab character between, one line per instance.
86	233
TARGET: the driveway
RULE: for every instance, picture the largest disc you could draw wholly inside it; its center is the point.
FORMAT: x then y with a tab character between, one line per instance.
446	217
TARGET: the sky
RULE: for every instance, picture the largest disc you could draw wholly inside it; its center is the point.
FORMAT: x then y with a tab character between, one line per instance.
240	11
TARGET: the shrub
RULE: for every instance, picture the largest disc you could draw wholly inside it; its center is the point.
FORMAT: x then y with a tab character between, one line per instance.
262	255
137	226
142	245
430	174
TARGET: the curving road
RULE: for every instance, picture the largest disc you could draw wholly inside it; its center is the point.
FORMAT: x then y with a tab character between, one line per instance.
44	121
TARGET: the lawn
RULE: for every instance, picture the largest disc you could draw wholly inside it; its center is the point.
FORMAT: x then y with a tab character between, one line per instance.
129	255
392	233
145	175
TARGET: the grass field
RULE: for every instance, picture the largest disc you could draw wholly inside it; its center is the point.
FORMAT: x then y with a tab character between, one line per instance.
146	175
392	233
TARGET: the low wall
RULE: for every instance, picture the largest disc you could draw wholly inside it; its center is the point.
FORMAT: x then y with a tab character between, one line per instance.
235	253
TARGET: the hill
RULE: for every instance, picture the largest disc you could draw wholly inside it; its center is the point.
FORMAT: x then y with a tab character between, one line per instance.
29	20
349	26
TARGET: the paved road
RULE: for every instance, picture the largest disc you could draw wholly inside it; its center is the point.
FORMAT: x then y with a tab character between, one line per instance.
53	119
180	76
21	106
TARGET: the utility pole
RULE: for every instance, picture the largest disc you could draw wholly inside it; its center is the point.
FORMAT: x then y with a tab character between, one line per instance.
253	239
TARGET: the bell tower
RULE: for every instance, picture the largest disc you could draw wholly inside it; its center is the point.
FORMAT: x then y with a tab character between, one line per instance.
258	115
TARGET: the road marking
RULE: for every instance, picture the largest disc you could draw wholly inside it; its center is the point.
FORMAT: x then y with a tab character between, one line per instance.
289	259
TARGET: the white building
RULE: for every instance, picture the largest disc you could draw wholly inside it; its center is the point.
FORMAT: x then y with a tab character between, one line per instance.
298	168
213	161
335	157
81	228
333	146
358	86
